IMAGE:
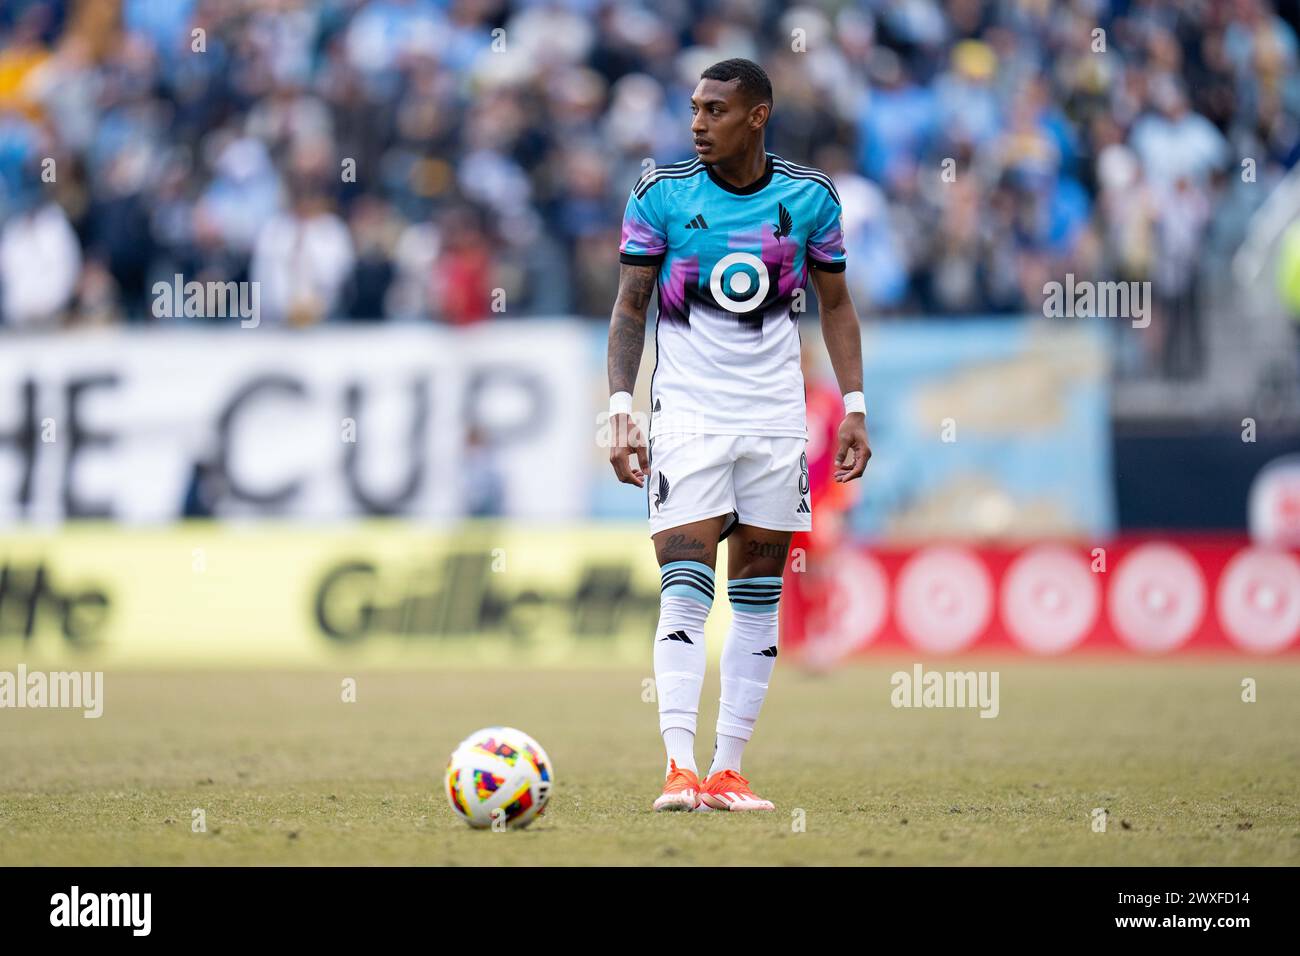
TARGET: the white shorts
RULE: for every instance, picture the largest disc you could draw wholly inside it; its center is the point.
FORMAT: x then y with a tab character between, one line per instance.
761	481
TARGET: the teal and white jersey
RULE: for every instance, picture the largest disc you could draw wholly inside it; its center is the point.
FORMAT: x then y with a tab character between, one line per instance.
730	264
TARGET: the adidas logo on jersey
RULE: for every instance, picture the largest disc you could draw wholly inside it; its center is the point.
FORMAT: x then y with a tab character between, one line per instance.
803	508
697	223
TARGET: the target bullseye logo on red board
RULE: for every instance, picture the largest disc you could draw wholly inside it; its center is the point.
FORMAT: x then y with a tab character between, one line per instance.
855	607
944	599
1157	598
1258	600
1050	599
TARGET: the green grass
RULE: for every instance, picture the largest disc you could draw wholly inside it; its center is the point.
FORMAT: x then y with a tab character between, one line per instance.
288	774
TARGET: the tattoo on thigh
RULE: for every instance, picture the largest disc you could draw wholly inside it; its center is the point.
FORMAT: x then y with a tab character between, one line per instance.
766	549
680	547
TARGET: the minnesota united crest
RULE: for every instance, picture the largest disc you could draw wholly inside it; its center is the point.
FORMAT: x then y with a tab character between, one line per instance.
784	222
661	496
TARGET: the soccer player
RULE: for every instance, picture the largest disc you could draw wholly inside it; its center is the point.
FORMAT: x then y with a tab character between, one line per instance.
729	238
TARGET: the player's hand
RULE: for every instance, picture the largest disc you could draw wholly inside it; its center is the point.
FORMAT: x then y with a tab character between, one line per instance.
628	441
854	452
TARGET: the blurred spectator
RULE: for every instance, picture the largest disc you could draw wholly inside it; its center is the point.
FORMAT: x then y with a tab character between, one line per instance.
302	260
1185	213
119	231
870	237
40	262
462	283
375	229
898	121
482	488
1174	142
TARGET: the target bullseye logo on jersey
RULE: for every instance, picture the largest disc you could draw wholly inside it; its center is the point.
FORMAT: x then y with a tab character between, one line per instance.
739	282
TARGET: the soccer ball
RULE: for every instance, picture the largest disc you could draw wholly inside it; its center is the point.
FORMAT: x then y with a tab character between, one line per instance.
501	776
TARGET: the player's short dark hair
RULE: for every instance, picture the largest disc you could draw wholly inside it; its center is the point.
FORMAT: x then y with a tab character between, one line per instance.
753	81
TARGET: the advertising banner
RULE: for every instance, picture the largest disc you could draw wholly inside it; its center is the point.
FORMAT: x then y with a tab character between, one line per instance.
488	593
1150	596
379	593
422	422
986	428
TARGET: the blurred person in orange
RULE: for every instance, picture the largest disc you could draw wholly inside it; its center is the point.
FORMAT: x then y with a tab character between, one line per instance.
807	578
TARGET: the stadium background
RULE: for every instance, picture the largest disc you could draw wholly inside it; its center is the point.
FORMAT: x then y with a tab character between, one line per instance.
401	461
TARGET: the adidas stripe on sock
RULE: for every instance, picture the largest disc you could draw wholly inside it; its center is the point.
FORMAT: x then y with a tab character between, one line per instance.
755	595
689	579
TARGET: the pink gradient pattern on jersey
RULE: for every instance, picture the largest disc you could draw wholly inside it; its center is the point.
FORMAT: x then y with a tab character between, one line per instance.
683	274
640	238
781	254
830	247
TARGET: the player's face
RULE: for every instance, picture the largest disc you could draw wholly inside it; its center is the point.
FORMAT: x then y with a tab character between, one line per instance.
723	122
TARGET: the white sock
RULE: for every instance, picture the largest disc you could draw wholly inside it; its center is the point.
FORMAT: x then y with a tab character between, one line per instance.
685	597
726	753
680	744
747	661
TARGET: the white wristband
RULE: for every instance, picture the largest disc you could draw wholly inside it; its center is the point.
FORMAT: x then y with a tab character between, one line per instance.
854	402
620	403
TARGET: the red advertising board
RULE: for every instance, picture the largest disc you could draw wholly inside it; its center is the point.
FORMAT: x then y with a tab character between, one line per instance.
1137	595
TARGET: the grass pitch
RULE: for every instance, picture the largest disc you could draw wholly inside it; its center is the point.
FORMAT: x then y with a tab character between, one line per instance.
286	773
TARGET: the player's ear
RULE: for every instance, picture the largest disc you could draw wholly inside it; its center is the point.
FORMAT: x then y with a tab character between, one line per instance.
758	116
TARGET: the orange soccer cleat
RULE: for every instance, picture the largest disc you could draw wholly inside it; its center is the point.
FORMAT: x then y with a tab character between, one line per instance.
728	790
681	789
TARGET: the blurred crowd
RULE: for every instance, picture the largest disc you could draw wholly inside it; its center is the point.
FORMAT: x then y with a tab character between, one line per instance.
452	160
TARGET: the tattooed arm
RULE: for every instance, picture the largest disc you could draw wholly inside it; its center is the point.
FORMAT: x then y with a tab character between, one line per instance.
626	342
